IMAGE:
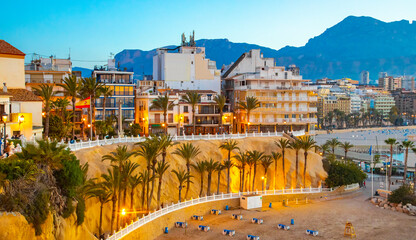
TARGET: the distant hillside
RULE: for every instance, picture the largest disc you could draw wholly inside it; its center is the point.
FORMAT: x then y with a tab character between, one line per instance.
344	50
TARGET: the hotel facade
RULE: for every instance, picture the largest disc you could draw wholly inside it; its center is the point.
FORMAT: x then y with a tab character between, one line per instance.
286	103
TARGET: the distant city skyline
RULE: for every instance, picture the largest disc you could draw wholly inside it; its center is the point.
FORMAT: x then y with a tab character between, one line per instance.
93	29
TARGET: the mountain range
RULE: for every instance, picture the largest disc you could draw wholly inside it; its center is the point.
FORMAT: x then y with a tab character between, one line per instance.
343	50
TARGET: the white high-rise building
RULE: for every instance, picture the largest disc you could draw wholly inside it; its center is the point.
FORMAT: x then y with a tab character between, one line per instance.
365	78
186	68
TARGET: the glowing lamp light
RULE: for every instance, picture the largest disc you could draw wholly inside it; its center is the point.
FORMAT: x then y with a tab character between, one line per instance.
235	117
143	119
284	122
123	212
21	119
262	177
249	123
83	119
4	117
43	114
163	125
225	117
89	125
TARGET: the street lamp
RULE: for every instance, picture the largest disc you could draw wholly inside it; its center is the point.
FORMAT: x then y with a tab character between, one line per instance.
4	118
21	119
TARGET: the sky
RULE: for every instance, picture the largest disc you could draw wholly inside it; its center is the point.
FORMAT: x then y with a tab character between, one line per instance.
93	29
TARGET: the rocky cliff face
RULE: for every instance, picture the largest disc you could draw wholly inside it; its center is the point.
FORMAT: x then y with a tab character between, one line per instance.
12	227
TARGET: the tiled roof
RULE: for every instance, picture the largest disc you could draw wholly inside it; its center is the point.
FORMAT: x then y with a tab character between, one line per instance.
22	95
6	48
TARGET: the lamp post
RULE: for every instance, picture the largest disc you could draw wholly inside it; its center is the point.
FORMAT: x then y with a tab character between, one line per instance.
4	118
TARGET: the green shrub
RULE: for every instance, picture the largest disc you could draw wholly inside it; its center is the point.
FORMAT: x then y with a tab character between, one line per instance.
70	176
15	141
341	173
80	211
404	194
14	168
37	213
69	208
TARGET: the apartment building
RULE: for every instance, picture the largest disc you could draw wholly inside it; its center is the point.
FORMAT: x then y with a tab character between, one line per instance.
383	103
179	118
122	85
329	103
186	68
405	101
390	83
286	102
21	108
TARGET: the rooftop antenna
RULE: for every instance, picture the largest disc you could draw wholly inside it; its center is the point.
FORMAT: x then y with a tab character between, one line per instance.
111	55
69	55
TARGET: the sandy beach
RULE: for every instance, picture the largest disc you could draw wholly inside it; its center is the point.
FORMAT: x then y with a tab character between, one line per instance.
326	216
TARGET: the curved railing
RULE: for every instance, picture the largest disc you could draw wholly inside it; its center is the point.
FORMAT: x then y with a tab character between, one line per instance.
88	144
152	216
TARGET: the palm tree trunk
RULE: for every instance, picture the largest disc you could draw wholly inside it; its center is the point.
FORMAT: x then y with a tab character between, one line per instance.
248	120
254	176
180	190
73	118
100	230
188	181
93	113
209	184
104	102
118	207
283	169
124	195
132	199
249	180
158	192
345	154
391	165
47	122
228	180
297	167
143	194
405	165
239	187
193	119
113	213
304	169
166	124
220	123
202	184
275	173
149	200
242	179
218	183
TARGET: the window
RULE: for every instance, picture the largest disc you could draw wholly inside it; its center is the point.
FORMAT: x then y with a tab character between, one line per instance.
286	115
293	115
209	96
185	109
170	118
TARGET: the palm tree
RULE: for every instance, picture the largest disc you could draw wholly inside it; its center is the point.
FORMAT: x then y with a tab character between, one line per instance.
112	182
210	167
120	157
266	161
307	143
103	193
255	157
200	168
182	176
229	145
90	87
187	151
275	156
346	146
220	100
297	146
241	158
161	168
392	142
414	178
228	164
106	92
149	150
333	143
134	181
192	98
406	144
324	148
163	103
45	92
283	144
250	104
128	170
146	179
70	89
219	169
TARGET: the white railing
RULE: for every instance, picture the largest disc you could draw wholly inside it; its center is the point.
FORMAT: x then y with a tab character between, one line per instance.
152	216
88	144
